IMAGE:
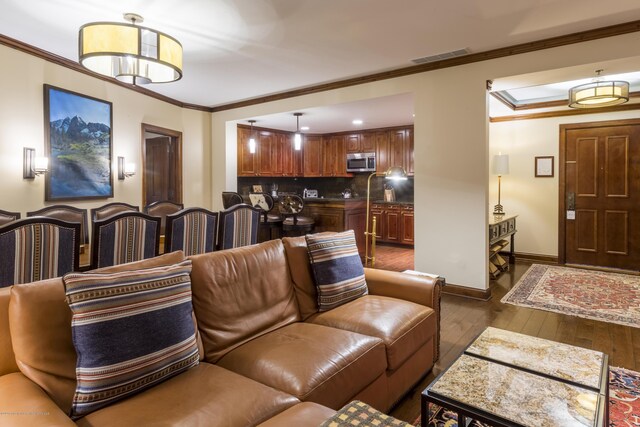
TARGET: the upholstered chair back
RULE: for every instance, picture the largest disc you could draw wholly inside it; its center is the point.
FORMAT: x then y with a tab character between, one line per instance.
69	214
124	237
110	209
37	248
192	231
162	208
6	217
238	226
231	198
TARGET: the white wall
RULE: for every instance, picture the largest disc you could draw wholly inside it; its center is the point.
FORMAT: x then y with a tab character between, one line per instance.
535	200
22	125
451	148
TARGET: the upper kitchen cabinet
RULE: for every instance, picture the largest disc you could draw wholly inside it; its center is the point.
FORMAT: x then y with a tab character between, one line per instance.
364	142
247	161
291	159
334	156
312	155
394	148
269	154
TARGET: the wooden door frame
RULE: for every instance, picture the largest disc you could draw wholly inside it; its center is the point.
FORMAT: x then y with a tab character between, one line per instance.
172	134
562	219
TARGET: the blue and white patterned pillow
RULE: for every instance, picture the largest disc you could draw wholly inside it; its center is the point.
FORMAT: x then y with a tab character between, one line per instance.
337	268
131	330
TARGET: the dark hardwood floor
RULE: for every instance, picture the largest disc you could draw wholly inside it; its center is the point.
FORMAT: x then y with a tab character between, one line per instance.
462	319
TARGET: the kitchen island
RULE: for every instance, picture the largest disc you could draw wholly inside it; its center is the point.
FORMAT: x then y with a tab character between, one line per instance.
338	214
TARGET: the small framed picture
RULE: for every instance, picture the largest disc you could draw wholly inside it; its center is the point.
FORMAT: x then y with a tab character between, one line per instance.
544	167
257	188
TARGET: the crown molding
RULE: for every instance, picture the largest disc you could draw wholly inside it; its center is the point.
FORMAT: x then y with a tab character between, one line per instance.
583	36
563	113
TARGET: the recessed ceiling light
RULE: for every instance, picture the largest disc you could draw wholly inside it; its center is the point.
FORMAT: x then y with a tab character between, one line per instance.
357	122
304	127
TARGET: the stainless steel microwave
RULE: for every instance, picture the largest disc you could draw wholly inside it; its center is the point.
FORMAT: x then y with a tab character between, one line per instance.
361	162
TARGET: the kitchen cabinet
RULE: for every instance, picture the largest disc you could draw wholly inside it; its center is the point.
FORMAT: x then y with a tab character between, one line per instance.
312	155
269	158
338	215
247	162
394	148
364	142
334	156
394	223
290	158
382	150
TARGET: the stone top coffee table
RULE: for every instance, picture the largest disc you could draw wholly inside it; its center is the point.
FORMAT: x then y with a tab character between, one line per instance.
509	379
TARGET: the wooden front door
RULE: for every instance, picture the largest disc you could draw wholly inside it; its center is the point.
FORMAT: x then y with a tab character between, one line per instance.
600	194
162	179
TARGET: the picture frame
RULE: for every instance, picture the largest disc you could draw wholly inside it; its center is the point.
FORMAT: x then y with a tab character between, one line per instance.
78	142
256	188
544	166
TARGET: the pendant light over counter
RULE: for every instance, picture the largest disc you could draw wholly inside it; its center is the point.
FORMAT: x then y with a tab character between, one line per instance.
130	53
252	139
297	138
599	93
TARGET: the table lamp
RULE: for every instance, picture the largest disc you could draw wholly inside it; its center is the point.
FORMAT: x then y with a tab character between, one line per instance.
500	167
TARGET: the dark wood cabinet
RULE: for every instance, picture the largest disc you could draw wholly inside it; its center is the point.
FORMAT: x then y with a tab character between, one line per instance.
394	223
247	161
312	154
321	155
339	216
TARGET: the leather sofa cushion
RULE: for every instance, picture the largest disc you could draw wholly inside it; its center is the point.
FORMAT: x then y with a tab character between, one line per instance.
302	275
7	358
240	294
402	325
312	362
206	395
304	414
40	324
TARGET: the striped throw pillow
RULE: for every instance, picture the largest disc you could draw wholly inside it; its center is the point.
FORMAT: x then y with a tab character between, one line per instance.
131	330
337	269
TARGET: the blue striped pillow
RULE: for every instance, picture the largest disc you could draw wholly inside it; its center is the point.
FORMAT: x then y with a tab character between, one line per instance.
337	269
131	330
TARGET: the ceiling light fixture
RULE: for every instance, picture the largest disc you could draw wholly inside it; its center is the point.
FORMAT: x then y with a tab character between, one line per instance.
252	140
297	138
130	53
357	122
599	93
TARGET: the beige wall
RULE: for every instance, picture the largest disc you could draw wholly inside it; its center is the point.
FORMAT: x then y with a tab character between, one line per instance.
451	149
22	125
535	200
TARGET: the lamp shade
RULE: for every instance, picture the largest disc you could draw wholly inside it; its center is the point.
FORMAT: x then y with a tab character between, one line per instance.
599	94
130	53
500	164
396	173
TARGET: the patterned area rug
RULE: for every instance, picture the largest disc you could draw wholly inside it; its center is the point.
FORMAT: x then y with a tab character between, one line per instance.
624	403
597	295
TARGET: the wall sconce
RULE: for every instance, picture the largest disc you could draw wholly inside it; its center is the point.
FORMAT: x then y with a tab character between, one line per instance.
33	166
125	170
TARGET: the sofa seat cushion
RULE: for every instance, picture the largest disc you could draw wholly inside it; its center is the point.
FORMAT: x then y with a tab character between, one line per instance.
312	362
206	395
402	325
304	414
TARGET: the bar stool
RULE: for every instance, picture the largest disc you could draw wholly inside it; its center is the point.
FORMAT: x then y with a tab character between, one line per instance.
294	224
270	224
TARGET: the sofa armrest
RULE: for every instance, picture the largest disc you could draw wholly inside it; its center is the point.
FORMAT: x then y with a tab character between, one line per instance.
24	403
421	290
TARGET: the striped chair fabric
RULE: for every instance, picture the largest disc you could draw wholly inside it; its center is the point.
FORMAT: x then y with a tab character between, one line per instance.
124	237
191	230
238	226
37	248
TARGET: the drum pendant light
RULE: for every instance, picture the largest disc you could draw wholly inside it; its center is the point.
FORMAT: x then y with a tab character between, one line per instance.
599	93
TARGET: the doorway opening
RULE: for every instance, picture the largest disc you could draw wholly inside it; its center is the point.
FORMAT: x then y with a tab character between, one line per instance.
161	164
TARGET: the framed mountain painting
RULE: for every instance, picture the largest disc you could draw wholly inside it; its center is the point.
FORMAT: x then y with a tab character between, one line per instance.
78	144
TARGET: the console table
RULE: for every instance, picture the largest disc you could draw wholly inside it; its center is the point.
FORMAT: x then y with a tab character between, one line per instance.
501	227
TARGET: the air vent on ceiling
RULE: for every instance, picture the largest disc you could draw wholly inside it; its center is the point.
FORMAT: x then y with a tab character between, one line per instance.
440	56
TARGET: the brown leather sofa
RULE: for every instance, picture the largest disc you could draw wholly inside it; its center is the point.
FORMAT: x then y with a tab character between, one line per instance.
267	356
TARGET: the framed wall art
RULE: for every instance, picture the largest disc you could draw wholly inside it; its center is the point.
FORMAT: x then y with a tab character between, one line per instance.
544	167
78	143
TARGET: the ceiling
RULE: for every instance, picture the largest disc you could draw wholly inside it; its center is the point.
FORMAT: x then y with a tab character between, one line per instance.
241	49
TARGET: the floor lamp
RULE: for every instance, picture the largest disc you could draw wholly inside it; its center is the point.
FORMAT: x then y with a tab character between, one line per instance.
500	167
396	173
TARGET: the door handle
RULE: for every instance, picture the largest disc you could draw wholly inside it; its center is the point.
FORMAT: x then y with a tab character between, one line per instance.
571	201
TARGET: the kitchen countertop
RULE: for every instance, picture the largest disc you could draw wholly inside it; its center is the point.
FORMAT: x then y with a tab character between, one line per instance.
354	199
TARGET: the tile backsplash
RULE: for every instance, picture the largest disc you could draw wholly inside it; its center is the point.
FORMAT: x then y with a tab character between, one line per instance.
331	187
